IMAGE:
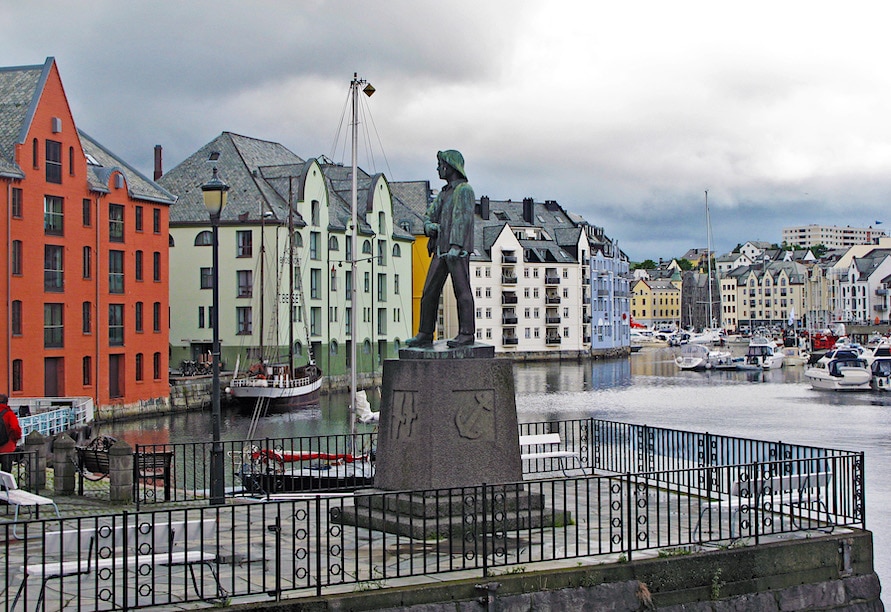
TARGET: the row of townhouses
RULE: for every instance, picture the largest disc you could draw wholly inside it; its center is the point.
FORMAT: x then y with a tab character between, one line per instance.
756	285
124	295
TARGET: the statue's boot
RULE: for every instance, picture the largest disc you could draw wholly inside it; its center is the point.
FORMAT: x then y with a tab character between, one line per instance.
422	339
462	340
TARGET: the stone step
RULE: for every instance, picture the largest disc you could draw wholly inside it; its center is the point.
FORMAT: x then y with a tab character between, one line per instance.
450	526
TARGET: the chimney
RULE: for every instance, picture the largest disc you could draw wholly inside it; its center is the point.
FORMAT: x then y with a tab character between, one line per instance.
484	208
158	166
527	210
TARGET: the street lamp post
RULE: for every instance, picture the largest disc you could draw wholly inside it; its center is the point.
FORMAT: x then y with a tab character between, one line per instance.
215	194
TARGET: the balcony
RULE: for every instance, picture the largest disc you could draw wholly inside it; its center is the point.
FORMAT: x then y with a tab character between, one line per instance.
508	280
510	340
586	339
586	281
549	339
602	292
552	299
552	280
508	319
508	258
552	320
880	308
881	291
508	297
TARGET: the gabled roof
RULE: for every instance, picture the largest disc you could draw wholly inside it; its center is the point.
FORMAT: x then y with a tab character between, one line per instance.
559	232
102	163
410	201
20	89
238	160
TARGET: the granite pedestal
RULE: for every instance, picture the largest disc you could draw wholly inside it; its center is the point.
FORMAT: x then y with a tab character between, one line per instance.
448	421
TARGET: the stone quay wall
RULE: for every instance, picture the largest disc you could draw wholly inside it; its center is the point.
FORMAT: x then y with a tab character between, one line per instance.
831	573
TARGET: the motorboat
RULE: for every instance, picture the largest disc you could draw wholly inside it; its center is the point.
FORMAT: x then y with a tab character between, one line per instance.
764	353
881	367
707	336
840	370
699	357
649	337
795	355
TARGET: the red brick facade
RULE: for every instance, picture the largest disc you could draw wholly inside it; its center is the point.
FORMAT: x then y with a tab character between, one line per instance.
85	295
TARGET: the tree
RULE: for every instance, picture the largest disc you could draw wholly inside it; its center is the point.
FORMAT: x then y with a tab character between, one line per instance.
646	264
685	264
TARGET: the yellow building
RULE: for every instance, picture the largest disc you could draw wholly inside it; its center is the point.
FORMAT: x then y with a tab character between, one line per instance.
656	302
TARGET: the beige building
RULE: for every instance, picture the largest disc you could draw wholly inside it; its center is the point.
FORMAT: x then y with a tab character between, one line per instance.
830	236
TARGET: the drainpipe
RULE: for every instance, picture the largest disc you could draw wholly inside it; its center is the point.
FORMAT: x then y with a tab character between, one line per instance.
9	284
97	266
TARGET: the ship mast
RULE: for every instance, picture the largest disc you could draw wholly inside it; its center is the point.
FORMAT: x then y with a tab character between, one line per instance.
368	90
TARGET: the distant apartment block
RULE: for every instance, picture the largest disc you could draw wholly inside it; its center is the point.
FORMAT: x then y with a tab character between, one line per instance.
830	236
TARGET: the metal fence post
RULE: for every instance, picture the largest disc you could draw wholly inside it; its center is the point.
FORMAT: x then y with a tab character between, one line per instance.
318	546
485	517
628	504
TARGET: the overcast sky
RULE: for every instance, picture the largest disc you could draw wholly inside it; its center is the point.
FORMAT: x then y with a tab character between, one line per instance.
623	112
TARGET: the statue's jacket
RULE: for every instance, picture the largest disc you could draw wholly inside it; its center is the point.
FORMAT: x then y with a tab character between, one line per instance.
453	210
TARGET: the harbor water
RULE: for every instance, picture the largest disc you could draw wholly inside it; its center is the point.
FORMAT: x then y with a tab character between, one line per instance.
646	388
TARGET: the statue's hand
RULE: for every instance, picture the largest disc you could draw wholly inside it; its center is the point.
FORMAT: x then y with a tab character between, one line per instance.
455	253
431	229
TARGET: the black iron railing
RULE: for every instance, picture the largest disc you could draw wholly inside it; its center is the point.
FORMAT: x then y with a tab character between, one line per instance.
296	544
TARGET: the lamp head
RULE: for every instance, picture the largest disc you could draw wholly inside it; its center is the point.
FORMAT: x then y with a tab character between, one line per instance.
215	194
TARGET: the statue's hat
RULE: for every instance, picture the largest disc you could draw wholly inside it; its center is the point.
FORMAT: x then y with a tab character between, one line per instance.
454	159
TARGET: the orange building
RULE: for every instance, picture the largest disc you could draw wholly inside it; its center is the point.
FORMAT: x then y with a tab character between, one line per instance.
85	294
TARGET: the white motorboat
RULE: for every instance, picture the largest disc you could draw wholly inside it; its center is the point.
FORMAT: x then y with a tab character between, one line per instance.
764	353
649	337
795	356
881	367
699	357
840	370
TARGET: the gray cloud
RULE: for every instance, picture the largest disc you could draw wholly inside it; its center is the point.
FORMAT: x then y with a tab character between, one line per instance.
622	113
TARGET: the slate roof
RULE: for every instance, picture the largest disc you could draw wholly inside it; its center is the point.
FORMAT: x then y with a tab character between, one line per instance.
562	231
868	264
262	176
139	186
20	91
20	88
410	201
796	272
238	160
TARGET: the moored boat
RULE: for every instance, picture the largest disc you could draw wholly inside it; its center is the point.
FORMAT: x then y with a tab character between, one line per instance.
881	367
699	357
840	370
795	356
763	353
277	383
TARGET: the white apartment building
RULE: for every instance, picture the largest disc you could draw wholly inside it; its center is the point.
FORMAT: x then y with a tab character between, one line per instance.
862	289
531	273
830	236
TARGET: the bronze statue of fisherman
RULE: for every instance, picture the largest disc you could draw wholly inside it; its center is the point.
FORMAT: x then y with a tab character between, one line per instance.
449	225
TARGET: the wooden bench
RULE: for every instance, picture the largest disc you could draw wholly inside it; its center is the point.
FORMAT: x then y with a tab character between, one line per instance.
111	552
539	447
799	496
12	495
93	464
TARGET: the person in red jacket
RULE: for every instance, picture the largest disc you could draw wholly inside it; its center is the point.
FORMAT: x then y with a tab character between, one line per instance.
13	431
